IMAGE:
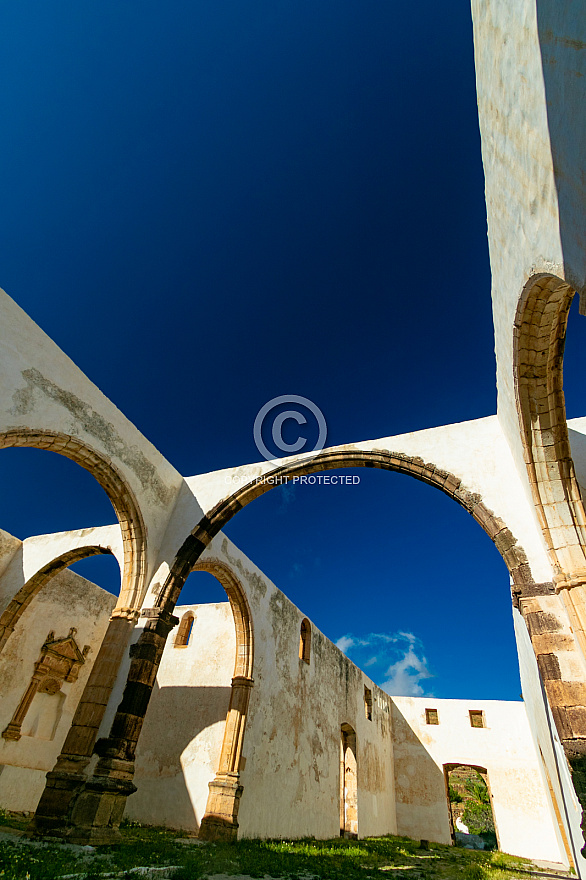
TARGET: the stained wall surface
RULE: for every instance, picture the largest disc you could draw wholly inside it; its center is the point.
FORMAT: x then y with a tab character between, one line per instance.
291	755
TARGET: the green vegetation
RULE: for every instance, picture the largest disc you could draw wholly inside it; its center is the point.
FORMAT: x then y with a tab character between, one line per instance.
337	859
470	800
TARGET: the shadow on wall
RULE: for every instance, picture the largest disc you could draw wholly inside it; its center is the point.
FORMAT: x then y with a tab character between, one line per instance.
578	448
562	38
178	755
421	799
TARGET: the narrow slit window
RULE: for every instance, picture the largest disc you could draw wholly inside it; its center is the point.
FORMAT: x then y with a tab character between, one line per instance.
368	703
431	716
477	718
305	641
184	631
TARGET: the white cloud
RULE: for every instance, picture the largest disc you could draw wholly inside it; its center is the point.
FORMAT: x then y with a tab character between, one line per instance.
405	675
399	665
345	643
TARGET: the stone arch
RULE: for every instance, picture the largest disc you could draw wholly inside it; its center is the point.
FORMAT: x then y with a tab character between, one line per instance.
111	783
220	821
538	350
68	775
244	662
118	491
211	524
23	598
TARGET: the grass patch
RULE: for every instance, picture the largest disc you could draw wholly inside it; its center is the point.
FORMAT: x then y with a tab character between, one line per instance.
373	857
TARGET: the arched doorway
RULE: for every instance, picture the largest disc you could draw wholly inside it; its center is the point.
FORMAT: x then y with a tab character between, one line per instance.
472	821
191	768
348	783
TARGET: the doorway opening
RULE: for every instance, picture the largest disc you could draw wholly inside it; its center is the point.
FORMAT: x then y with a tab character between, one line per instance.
470	807
348	784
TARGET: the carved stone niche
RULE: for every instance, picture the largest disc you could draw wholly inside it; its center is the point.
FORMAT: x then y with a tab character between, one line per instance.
60	660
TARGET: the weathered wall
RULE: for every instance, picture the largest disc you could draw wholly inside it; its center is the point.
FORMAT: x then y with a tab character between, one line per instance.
179	748
291	767
520	803
291	776
291	757
68	600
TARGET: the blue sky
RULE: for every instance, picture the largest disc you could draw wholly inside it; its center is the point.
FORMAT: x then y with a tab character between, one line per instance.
210	204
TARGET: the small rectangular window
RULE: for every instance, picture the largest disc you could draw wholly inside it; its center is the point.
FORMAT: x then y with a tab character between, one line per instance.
431	716
477	718
368	703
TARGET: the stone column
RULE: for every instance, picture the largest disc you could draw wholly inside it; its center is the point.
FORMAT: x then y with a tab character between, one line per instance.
68	778
220	821
97	808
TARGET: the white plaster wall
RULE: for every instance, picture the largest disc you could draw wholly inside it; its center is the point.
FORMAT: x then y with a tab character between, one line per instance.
504	747
67	600
554	766
179	747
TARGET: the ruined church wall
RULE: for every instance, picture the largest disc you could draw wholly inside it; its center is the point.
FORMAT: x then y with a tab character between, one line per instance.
291	772
68	600
521	806
290	768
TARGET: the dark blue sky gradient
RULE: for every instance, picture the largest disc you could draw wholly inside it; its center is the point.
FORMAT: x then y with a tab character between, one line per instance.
210	204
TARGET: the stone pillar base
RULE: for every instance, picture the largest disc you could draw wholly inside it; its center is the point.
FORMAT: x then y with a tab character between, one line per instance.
64	785
220	820
85	810
12	731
